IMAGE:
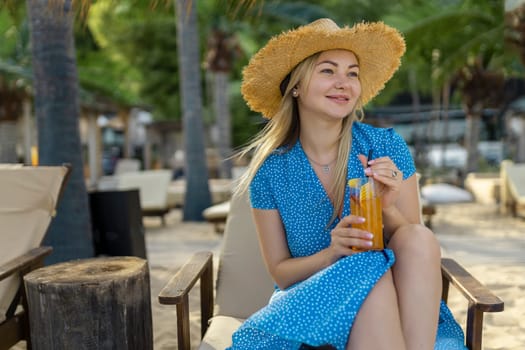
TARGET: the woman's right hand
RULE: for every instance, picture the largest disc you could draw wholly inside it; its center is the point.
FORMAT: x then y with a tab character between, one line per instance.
345	237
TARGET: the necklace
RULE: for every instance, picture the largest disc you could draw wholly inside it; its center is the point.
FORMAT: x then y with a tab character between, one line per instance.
324	167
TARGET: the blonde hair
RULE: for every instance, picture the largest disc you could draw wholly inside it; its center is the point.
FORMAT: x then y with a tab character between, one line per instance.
282	130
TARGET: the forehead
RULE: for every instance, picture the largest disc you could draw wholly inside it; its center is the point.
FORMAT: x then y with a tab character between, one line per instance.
344	56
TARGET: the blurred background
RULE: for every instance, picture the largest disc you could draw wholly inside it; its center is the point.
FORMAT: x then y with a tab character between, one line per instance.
92	83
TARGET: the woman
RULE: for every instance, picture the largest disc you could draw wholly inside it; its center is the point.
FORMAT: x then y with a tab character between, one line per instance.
311	84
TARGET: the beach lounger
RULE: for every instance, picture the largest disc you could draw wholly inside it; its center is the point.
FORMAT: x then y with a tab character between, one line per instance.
153	190
28	199
126	165
217	215
512	189
244	286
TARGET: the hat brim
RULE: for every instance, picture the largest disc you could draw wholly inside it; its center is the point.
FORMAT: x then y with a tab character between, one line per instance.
377	46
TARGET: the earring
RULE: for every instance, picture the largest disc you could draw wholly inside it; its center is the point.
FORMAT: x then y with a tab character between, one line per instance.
295	93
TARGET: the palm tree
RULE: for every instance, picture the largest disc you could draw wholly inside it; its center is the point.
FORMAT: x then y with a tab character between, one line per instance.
470	46
222	50
57	110
197	197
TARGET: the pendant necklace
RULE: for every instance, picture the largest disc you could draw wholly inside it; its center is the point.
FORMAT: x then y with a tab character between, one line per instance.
325	167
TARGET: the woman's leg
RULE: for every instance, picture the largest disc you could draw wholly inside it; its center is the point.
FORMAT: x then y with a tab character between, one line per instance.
377	325
417	277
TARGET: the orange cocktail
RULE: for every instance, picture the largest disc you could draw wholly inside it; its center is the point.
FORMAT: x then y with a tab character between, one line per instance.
365	202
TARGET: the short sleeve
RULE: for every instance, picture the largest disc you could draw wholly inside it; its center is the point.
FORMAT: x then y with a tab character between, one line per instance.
400	154
261	194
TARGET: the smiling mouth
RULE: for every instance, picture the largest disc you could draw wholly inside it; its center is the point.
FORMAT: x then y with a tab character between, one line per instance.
339	98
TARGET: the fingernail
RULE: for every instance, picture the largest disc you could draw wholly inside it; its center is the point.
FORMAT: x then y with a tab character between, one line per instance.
369	242
361	219
369	236
368	171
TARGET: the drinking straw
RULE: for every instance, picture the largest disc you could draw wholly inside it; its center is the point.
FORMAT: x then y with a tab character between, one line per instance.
371	180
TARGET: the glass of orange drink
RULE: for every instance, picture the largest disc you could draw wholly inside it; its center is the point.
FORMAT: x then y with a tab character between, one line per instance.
366	202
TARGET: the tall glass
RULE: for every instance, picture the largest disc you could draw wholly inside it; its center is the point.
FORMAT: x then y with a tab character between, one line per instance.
365	201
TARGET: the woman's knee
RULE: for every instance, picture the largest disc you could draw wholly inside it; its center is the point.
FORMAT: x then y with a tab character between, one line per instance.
415	240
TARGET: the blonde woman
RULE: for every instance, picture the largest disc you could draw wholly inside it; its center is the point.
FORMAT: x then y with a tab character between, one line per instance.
311	83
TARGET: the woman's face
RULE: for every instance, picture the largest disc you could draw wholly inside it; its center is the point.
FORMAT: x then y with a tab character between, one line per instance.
334	87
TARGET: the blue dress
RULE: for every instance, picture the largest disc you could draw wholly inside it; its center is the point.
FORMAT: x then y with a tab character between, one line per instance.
321	309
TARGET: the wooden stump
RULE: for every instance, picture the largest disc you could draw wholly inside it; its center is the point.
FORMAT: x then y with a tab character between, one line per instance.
101	303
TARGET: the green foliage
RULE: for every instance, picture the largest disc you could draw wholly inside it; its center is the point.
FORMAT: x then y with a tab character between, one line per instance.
139	43
14	40
127	50
294	13
245	123
99	75
447	37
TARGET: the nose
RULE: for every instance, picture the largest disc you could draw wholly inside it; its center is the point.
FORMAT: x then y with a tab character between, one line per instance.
342	82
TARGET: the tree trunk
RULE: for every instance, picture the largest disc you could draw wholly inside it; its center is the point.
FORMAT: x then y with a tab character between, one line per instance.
223	120
57	113
473	120
197	197
417	137
444	137
520	147
102	303
8	133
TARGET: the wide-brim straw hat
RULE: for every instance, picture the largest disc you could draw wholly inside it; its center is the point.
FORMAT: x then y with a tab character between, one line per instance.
377	46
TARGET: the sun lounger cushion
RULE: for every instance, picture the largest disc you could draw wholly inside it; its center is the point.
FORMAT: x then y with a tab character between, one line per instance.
127	165
516	181
152	184
252	283
217	212
27	205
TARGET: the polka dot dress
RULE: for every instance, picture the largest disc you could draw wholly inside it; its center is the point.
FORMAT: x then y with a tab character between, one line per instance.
321	310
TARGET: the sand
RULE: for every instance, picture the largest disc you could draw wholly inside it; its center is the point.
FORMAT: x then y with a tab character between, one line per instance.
489	245
492	248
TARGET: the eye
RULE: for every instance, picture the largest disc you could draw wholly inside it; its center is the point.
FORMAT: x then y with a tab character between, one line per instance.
327	70
353	74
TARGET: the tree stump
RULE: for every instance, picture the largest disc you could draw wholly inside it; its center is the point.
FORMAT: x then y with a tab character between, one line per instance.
101	303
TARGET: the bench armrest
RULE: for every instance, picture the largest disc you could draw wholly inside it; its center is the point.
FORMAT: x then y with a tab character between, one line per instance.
25	263
176	292
480	298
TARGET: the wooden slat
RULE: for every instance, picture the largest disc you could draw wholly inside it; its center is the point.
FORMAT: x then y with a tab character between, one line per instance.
474	334
206	297
476	293
11	331
444	288
183	324
33	257
185	279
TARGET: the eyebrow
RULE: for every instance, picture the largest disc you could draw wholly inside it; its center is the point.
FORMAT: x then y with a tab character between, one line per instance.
335	64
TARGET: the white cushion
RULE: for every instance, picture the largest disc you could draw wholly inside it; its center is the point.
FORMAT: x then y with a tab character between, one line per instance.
152	185
127	165
445	193
27	204
516	181
219	334
217	212
243	283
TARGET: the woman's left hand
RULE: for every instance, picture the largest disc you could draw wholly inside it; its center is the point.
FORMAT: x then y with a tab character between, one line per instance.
387	174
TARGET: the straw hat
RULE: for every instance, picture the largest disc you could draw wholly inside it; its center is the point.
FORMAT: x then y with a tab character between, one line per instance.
377	46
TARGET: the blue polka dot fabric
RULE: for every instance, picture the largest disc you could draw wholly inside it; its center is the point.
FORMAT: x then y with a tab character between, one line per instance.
321	310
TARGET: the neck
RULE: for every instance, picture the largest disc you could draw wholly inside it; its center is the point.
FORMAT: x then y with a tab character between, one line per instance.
320	144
